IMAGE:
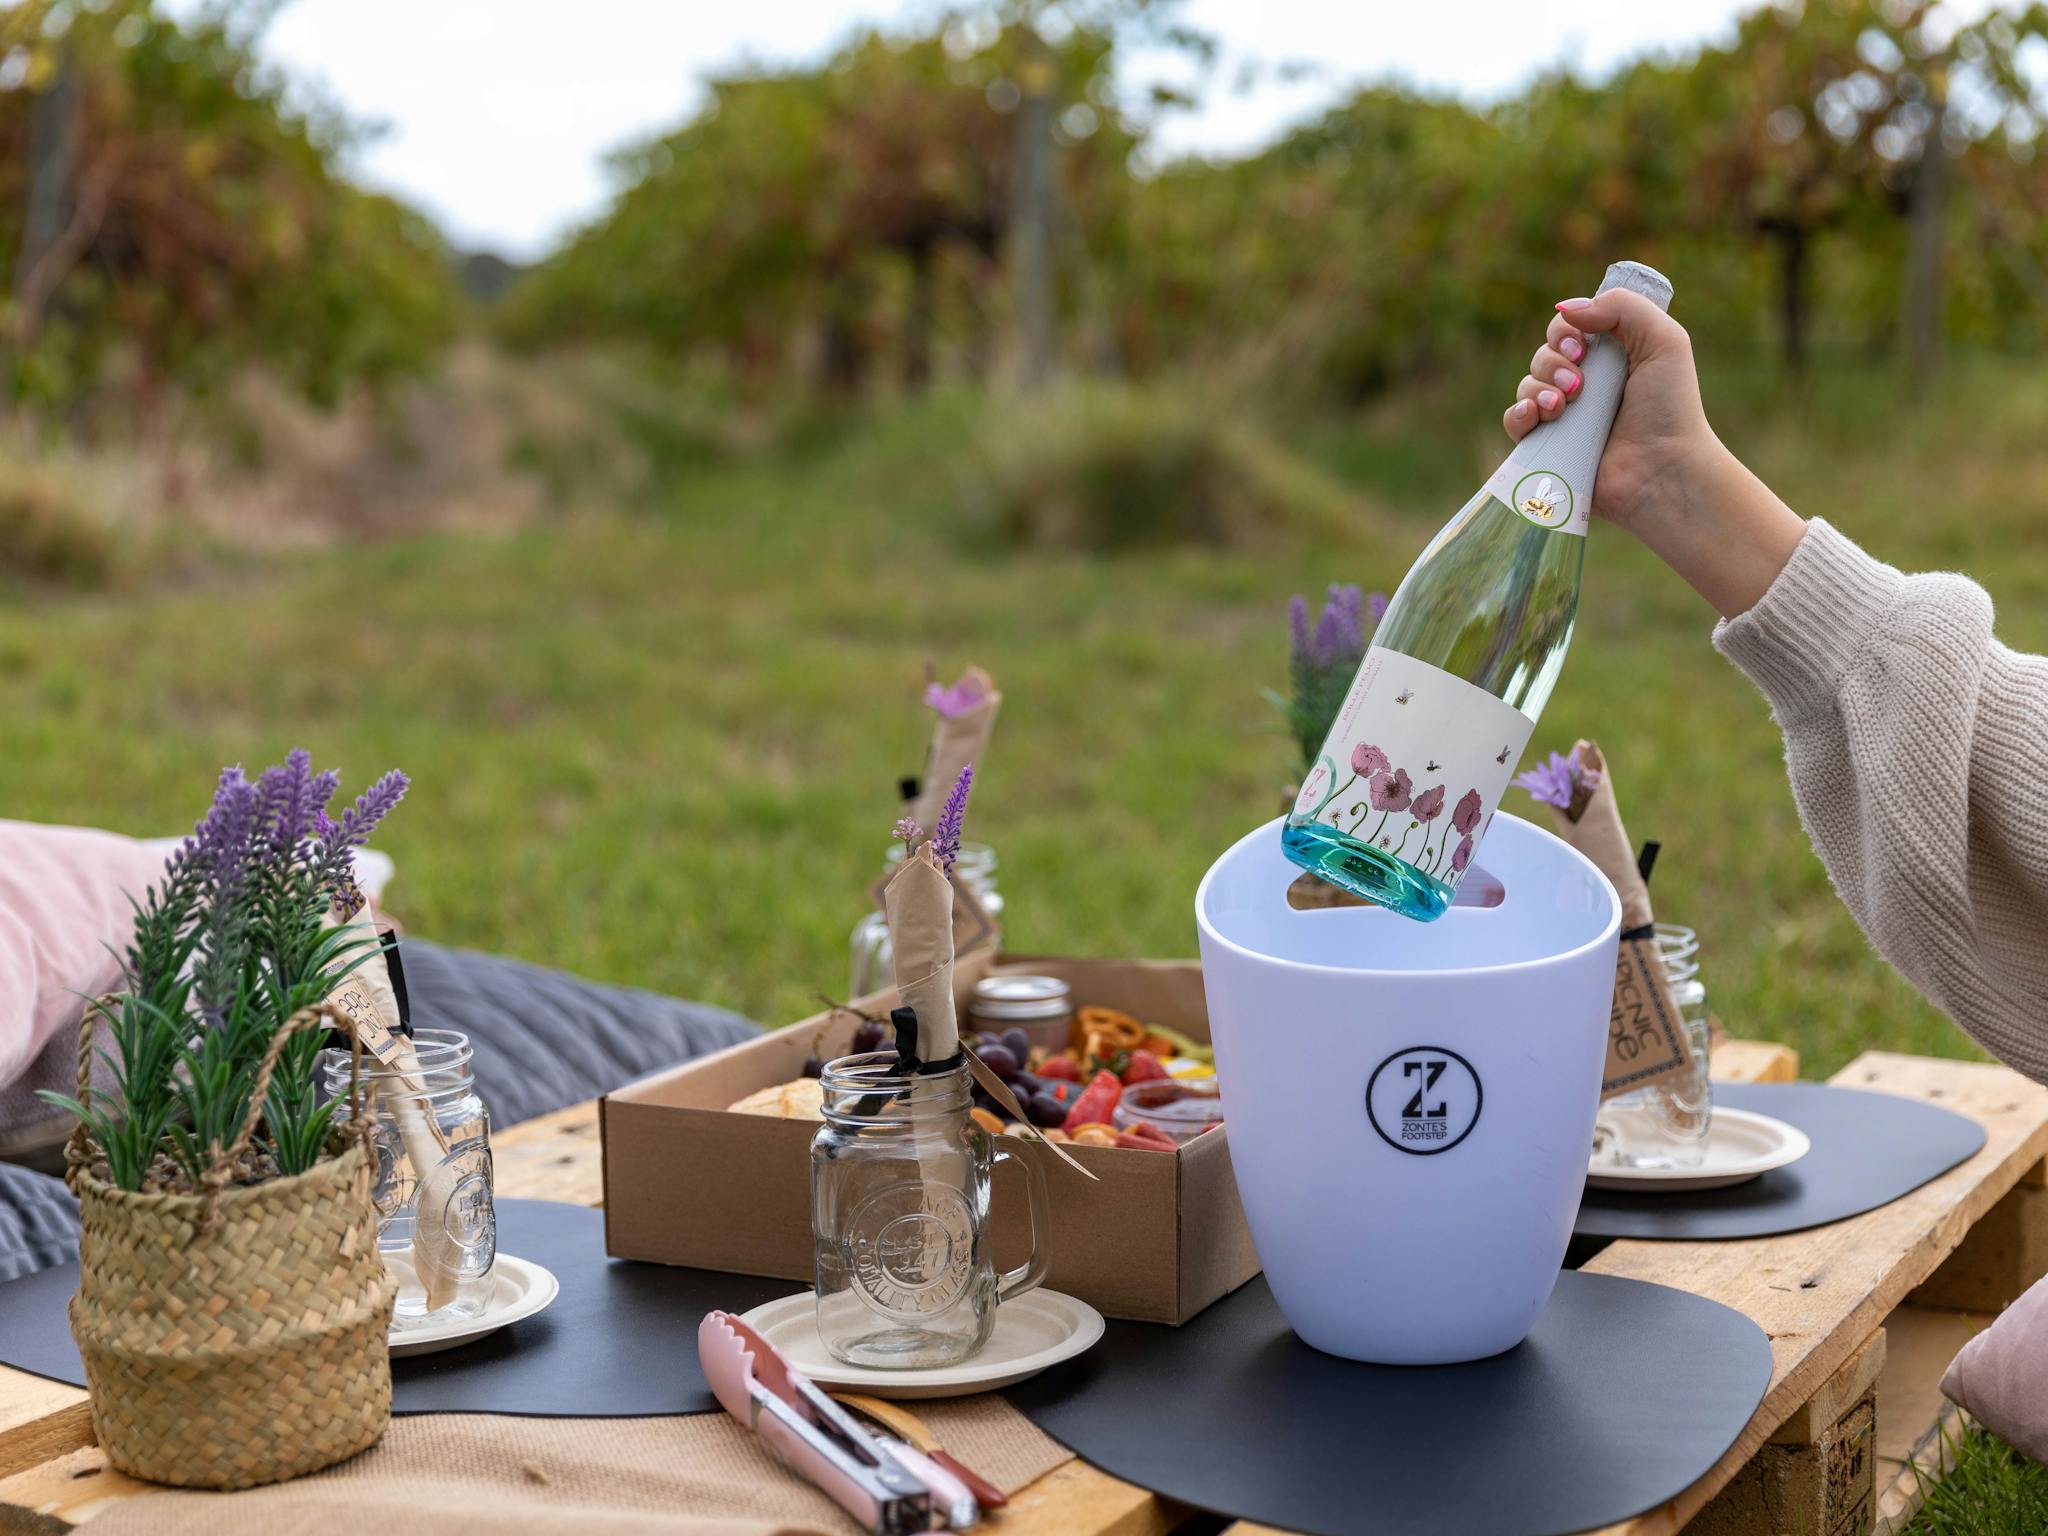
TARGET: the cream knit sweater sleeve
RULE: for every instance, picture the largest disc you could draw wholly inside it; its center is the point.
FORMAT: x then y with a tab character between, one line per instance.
1918	750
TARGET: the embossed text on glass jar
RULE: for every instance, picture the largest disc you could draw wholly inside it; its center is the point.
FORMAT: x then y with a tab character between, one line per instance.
900	1181
433	1177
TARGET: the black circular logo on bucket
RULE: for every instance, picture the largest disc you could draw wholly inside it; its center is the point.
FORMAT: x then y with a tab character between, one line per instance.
1423	1100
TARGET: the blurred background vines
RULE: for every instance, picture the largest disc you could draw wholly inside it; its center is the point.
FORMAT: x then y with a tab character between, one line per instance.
604	543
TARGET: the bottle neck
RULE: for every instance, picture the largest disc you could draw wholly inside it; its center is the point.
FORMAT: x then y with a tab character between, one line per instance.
1548	477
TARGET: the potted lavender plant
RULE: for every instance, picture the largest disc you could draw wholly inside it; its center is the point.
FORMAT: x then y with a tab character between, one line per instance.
232	1309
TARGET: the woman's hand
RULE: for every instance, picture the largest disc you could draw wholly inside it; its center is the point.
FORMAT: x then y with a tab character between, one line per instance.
1664	476
1662	429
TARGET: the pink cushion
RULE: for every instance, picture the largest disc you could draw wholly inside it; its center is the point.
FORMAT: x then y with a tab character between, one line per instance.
64	919
2000	1378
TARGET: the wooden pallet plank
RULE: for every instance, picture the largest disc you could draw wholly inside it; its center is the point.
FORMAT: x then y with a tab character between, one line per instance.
1818	1473
551	1157
1821	1294
1074	1499
1912	1415
2002	1256
1753	1061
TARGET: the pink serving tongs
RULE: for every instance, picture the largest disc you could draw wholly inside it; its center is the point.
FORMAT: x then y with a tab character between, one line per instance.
811	1433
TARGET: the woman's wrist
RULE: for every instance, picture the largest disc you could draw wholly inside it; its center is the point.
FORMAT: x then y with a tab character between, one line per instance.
1720	527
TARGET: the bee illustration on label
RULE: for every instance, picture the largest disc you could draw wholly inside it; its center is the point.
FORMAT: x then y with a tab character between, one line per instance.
1545	499
1431	766
1503	756
1405	695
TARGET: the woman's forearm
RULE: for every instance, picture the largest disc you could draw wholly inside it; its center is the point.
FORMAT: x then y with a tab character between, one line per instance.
1719	527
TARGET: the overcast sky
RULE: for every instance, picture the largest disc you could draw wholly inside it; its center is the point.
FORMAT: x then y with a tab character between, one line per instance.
498	113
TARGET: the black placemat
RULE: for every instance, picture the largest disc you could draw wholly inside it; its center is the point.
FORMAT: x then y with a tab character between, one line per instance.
1625	1394
620	1341
1868	1149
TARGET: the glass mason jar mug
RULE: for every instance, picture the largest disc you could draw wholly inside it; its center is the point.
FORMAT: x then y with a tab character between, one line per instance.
436	1225
1667	1124
900	1180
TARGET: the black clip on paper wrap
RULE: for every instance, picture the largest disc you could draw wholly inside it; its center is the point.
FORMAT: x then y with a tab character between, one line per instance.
1645	862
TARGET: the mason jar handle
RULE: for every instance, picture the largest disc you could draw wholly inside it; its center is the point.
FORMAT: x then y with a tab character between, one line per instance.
1013	1283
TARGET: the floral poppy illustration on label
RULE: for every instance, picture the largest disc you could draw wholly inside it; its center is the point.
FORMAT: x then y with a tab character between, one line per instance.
1544	498
1415	783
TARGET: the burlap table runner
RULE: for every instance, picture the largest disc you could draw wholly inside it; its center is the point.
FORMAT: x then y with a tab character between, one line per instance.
489	1475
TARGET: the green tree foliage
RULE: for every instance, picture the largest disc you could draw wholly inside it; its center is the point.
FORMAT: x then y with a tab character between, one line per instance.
818	220
168	214
805	223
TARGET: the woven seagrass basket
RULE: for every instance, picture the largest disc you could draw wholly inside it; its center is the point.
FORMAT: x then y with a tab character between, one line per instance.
246	1349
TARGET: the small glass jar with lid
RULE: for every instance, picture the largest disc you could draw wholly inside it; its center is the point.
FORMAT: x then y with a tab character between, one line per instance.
1041	1006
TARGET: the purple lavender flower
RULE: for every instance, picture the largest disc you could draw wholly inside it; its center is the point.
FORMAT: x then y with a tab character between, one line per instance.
1428	805
1297	630
1390	790
1340	632
337	840
953	702
946	836
907	829
1466	816
289	798
1367	760
371	807
218	849
1376	607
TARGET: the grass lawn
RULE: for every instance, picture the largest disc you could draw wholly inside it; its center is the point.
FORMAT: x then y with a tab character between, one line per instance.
659	744
1990	1491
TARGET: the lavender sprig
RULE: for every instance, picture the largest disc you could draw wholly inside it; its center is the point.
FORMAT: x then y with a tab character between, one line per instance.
336	841
907	828
1322	660
946	836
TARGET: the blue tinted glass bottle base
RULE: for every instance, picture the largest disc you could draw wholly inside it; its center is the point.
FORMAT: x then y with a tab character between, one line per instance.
1365	871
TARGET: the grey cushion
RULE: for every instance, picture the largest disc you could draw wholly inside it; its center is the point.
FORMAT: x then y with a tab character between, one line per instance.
38	1222
546	1039
543	1039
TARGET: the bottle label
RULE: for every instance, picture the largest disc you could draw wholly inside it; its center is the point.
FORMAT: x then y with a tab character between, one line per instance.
1416	763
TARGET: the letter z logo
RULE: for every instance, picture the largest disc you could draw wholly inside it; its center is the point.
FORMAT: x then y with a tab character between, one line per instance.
1431	1070
1423	1100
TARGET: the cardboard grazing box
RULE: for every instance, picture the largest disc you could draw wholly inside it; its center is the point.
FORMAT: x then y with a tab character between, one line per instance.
1156	1238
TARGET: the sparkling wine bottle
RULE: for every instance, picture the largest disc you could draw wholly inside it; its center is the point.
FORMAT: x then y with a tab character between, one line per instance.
1463	662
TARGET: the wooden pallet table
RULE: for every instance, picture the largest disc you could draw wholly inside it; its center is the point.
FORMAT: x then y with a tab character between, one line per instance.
1863	1317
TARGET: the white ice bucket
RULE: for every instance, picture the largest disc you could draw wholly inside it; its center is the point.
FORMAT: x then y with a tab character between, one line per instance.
1411	1104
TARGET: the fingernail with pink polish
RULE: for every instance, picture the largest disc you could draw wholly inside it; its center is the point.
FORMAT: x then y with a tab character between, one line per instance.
1547	398
1570	348
1571	304
1522	407
1566	380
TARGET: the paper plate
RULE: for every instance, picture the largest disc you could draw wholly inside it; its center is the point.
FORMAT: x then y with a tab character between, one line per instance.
519	1289
1741	1145
1038	1329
